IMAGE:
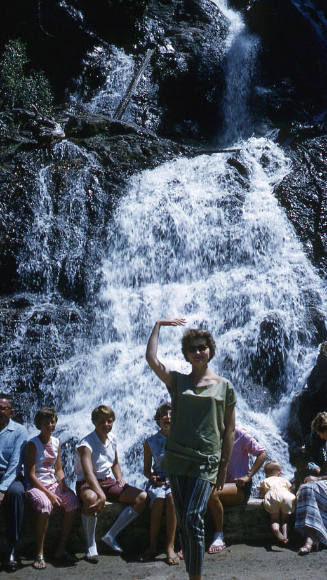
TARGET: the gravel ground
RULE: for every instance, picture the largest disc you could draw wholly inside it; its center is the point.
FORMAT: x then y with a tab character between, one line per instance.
238	562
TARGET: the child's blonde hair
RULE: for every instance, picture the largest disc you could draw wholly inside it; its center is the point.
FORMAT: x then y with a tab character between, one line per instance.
271	466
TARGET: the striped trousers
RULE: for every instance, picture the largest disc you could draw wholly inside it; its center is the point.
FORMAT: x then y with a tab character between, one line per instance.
191	495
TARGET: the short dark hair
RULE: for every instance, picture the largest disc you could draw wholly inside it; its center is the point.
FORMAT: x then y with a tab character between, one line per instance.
102	410
7	397
44	414
193	333
162	411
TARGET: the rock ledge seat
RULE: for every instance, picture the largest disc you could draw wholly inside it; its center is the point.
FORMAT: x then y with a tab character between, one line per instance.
244	523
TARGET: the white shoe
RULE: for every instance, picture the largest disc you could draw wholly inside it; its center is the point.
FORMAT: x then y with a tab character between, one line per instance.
111	542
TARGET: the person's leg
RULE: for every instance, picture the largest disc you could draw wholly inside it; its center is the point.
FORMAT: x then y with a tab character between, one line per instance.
191	497
42	521
136	499
171	523
275	526
89	522
229	495
43	507
13	505
69	503
156	515
284	526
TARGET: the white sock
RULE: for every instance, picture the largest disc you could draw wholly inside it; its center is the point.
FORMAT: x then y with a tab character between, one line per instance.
89	524
218	539
124	518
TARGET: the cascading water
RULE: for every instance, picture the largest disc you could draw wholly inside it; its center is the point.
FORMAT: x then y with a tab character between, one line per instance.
202	238
193	239
240	59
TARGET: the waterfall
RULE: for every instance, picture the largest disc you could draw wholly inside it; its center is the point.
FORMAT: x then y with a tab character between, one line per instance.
204	239
240	60
192	239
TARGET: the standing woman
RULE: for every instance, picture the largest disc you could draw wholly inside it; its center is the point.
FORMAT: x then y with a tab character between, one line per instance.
201	435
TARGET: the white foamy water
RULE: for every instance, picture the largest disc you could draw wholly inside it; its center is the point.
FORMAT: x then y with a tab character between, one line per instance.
241	50
191	239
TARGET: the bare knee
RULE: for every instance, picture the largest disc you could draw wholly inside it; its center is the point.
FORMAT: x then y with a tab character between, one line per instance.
170	500
140	501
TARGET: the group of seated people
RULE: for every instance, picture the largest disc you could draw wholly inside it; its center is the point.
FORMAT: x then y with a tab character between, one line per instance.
99	479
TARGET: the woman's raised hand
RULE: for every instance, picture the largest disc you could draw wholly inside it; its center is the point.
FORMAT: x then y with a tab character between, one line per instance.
172	322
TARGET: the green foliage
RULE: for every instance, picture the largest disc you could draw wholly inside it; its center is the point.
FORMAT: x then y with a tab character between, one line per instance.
16	88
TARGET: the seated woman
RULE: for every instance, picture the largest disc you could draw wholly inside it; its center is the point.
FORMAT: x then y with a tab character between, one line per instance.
96	460
158	488
311	508
46	486
238	485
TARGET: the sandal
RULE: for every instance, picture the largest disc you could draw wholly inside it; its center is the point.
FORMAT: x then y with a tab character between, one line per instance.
217	546
39	563
173	560
308	547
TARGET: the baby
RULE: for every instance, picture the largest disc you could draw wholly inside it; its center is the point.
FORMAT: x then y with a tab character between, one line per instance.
278	501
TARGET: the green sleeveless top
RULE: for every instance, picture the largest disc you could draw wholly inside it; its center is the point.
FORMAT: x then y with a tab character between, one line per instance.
194	442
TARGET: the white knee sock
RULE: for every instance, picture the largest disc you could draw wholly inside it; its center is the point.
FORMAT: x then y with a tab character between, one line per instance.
124	518
89	524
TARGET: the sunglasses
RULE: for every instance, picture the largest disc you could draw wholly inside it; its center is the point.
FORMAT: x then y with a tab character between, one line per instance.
200	347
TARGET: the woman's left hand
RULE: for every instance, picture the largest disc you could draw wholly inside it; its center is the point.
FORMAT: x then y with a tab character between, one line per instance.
242	481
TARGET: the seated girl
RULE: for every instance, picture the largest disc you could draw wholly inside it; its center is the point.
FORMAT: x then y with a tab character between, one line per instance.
238	483
96	461
46	486
278	500
158	488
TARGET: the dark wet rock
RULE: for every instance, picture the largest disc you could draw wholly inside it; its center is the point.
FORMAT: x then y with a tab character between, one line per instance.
303	195
311	400
293	82
269	361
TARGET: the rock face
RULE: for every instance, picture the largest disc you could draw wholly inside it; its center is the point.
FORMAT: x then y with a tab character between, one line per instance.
303	194
311	400
293	79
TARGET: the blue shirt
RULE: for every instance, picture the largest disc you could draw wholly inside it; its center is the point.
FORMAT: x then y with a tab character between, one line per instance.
12	440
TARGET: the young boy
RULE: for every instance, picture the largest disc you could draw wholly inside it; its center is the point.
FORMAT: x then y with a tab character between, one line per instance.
99	478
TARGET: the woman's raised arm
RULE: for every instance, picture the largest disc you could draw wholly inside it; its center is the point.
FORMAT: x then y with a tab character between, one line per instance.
152	348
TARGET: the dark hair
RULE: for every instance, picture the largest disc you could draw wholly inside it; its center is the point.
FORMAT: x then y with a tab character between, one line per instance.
319	422
7	397
193	333
162	411
102	410
44	414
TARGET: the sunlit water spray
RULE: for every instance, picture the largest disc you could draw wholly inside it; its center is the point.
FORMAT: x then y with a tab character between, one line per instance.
194	239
